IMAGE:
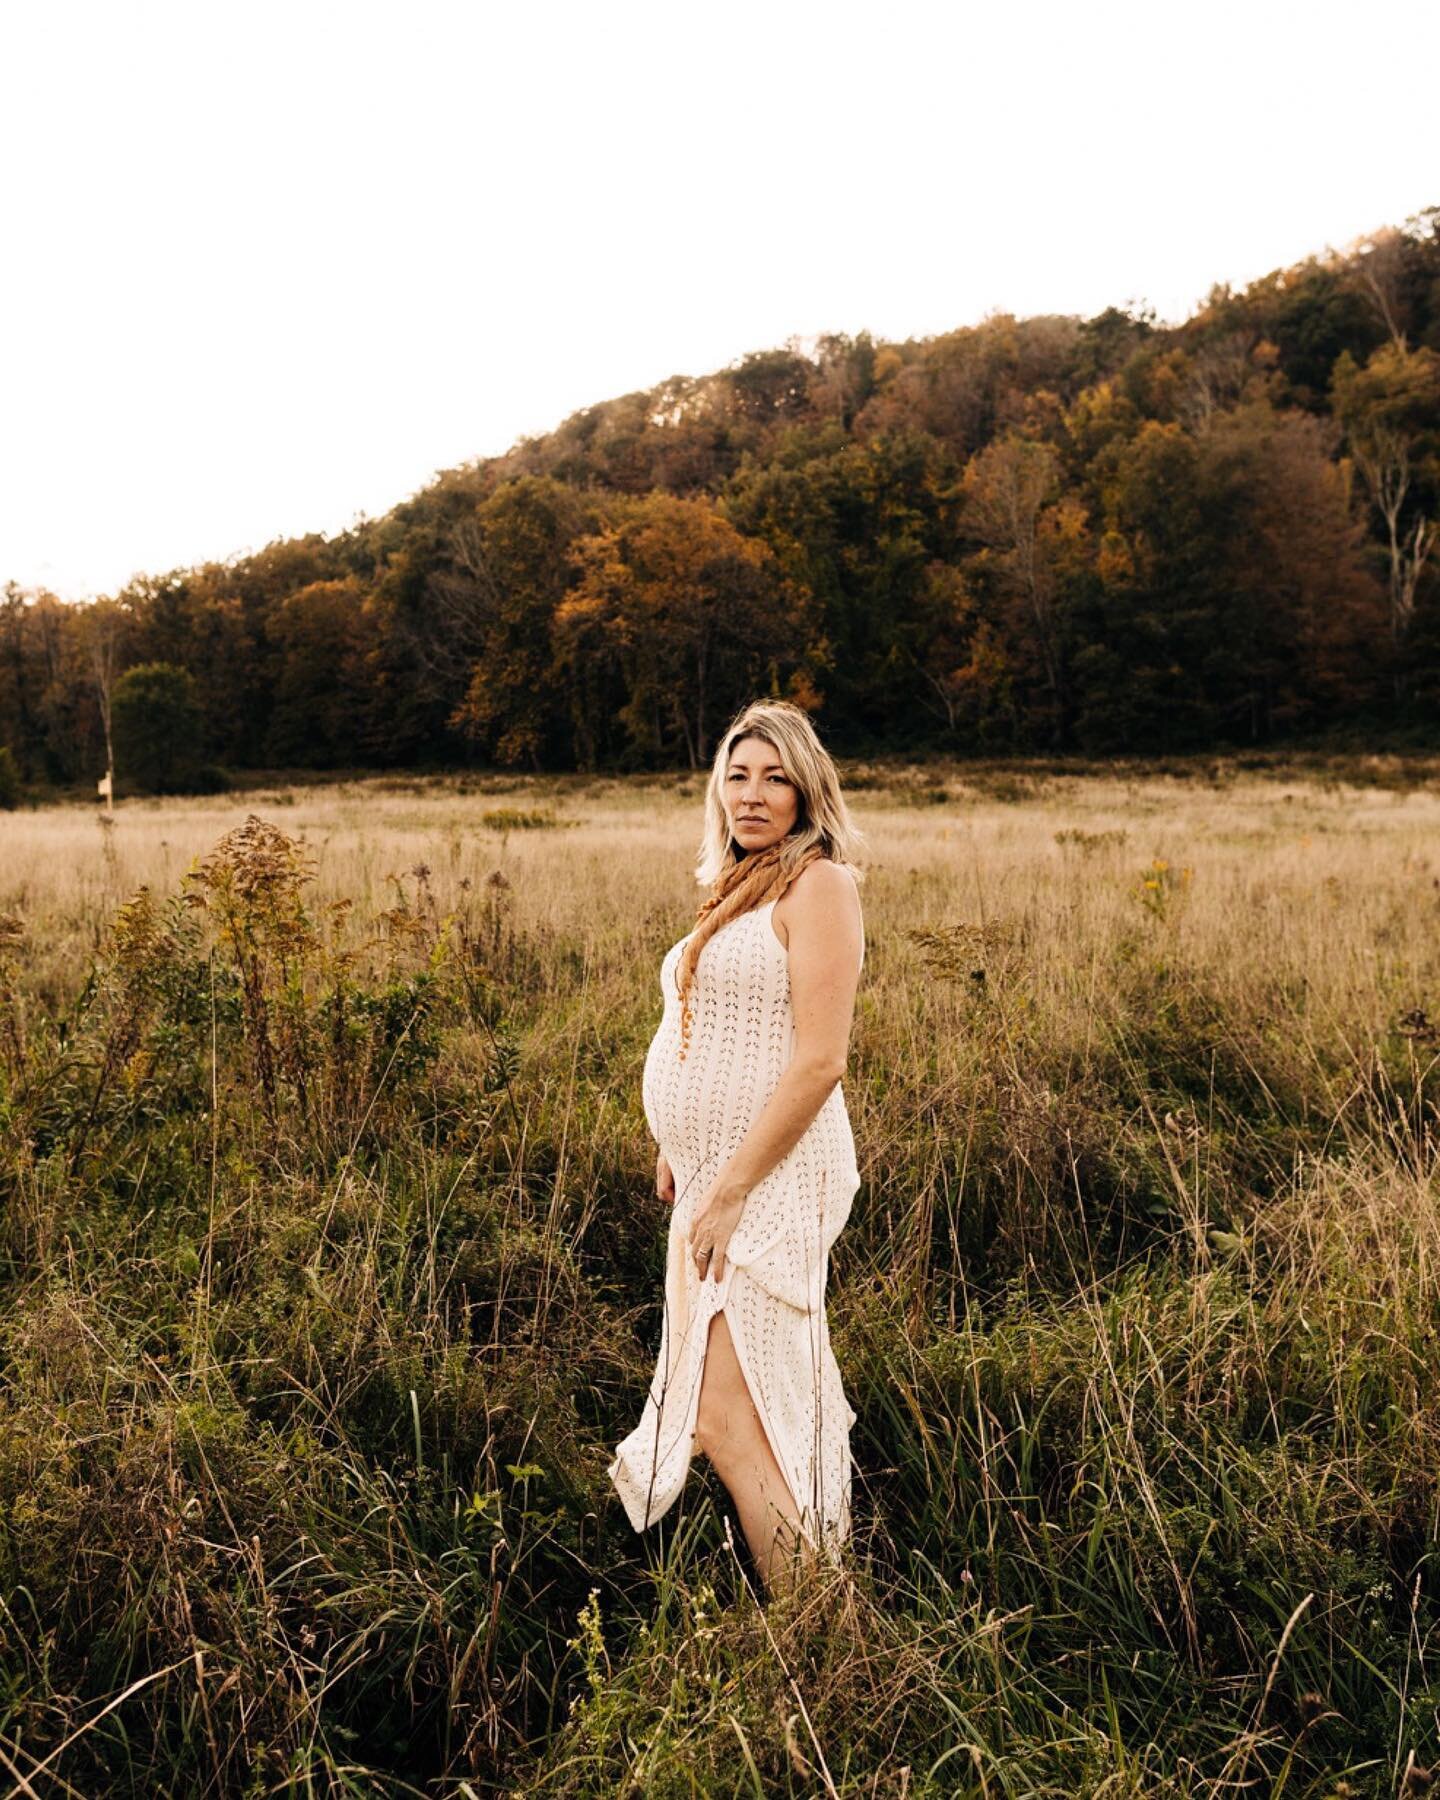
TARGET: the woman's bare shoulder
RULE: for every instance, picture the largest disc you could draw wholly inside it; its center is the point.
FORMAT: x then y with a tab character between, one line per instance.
825	879
824	894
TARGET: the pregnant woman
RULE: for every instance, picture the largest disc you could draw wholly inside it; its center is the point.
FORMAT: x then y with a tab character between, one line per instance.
756	1155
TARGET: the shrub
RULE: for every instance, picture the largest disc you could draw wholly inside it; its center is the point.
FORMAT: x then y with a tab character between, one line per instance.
209	778
158	727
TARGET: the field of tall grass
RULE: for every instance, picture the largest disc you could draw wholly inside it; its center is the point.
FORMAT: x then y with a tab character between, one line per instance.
330	1268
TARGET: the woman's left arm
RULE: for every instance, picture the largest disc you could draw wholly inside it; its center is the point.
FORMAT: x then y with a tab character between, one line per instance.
823	951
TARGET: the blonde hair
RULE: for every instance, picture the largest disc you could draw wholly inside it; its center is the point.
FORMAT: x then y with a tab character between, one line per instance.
823	818
738	882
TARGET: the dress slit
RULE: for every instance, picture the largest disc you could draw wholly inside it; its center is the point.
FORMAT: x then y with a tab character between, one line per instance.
756	1397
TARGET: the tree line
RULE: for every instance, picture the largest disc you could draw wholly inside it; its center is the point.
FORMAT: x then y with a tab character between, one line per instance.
1026	535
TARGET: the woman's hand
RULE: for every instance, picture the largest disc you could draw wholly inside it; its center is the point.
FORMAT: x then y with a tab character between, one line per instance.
664	1180
712	1226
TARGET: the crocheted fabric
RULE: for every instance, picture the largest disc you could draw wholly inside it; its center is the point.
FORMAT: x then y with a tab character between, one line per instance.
777	1260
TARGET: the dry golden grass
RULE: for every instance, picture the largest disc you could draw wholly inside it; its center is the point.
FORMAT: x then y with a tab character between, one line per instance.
1336	883
1138	1310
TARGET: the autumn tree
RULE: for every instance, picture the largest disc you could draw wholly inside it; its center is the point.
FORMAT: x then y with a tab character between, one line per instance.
1032	540
1149	635
844	377
1311	313
857	526
1297	604
965	669
590	632
771	386
495	597
321	689
47	705
18	721
694	615
1390	409
1230	598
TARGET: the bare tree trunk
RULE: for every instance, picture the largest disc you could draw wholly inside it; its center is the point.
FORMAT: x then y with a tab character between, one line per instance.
1387	472
462	602
701	742
942	693
104	644
684	721
1381	262
1020	476
1413	557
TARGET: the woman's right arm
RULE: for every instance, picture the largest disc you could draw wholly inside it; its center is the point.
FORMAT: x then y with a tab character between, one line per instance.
664	1180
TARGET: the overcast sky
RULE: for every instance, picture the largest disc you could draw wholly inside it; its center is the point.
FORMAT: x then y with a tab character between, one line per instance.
267	267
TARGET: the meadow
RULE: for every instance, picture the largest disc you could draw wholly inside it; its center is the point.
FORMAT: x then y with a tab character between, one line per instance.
330	1269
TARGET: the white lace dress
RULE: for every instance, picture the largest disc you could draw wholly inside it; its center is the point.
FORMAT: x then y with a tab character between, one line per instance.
776	1264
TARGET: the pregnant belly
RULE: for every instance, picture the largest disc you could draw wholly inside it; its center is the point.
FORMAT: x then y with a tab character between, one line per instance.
687	1117
674	1108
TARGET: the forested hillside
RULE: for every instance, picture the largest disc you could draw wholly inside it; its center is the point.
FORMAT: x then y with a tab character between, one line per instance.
1026	535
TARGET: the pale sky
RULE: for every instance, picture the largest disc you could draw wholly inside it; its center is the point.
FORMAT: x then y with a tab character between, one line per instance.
266	267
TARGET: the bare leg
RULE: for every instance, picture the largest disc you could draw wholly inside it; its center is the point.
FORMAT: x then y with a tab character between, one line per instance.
729	1431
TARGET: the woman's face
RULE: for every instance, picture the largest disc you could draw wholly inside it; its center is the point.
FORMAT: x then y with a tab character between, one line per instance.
760	799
